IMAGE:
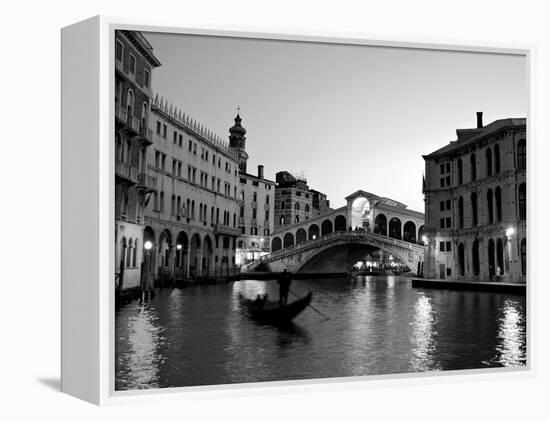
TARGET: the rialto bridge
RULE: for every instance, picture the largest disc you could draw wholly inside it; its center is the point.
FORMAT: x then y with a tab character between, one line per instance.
367	225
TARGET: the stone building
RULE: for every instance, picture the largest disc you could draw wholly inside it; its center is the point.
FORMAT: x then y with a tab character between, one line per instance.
191	219
476	204
295	202
256	202
134	63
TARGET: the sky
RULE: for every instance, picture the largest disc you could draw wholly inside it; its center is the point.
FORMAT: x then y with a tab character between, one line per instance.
348	117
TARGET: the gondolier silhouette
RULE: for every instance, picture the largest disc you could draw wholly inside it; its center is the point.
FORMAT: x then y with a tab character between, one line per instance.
284	282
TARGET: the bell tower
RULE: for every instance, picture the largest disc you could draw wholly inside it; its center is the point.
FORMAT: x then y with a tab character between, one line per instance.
237	141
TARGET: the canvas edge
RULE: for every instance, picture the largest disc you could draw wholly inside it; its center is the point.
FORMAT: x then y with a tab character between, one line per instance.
107	395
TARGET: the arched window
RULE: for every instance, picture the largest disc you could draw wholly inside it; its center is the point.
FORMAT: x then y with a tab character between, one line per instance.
129	253
129	152
496	152
255	197
490	205
134	254
491	257
498	202
276	244
143	122
297	207
522	154
380	224
460	212
282	220
473	173
461	259
500	256
473	200
489	161
161	205
178	207
242	195
475	258
522	201
288	240
193	209
395	228
282	204
123	252
173	204
459	169
306	208
241	213
523	253
130	105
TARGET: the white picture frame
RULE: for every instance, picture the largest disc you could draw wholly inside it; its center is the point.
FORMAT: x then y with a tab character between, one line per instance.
88	215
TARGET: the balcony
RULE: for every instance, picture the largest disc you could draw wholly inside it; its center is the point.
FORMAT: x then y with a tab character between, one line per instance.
225	230
126	172
121	114
241	202
254	205
118	66
266	224
254	222
147	182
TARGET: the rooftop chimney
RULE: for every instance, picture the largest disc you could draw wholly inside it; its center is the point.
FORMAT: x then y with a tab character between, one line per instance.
479	119
260	171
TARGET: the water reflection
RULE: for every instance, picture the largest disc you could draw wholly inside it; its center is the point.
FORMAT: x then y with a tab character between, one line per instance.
423	335
377	325
139	355
511	350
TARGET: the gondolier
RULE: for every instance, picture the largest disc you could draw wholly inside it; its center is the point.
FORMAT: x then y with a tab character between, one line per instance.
284	282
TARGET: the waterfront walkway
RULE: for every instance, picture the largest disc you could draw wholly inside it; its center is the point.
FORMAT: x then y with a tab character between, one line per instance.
509	287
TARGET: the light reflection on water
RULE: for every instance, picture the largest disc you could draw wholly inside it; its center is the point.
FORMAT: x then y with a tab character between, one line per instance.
378	325
511	335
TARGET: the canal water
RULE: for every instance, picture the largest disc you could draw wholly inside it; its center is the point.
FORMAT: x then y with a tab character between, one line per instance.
378	325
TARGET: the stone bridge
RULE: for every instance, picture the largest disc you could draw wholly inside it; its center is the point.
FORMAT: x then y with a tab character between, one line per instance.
338	251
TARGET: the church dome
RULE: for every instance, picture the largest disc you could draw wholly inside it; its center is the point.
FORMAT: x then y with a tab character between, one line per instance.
237	129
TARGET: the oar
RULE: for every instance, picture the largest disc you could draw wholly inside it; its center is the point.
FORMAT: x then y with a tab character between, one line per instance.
297	296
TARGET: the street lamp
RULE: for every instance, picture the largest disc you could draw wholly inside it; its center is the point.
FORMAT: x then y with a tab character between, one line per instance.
510	232
425	240
148	245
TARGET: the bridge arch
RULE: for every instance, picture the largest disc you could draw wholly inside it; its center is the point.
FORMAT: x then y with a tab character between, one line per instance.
326	227
276	244
401	256
301	236
395	228
340	223
313	232
409	232
360	210
288	240
381	224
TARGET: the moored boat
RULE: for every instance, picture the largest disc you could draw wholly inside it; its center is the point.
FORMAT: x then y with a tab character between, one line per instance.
265	311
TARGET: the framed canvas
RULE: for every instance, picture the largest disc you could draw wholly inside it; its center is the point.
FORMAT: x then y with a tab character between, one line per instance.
247	210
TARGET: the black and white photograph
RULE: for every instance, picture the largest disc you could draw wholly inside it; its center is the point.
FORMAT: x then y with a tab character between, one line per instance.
298	210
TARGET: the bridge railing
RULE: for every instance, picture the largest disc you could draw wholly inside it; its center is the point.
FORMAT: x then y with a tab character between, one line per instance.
338	235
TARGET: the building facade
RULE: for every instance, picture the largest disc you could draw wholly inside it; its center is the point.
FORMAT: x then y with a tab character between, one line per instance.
134	64
476	204
191	219
256	202
294	200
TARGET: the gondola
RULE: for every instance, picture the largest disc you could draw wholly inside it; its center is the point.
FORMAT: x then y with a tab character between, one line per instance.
265	311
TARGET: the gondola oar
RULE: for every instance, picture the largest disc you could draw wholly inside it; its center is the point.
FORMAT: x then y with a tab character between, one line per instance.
297	296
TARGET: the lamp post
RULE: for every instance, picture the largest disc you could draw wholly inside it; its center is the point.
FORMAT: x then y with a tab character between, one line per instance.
179	258
148	245
426	242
